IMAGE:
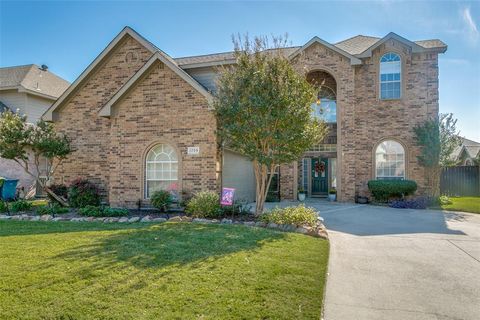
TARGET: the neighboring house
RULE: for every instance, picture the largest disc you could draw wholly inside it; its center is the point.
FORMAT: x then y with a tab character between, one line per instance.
29	90
468	153
140	120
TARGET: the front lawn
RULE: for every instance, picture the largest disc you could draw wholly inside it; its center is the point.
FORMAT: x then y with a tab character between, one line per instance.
465	204
68	270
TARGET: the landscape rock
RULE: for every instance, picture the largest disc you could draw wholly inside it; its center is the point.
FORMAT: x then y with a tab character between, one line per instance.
159	220
187	219
34	218
146	219
46	217
302	230
260	224
60	219
272	225
320	219
249	223
134	219
175	219
77	219
123	220
226	221
5	217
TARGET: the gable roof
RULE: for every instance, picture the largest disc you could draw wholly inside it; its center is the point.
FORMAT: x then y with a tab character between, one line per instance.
48	115
34	80
420	46
106	110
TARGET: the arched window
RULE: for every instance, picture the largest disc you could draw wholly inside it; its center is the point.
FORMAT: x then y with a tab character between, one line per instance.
390	76
325	108
390	160
161	169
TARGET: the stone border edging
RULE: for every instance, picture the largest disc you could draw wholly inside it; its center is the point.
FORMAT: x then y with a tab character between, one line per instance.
319	231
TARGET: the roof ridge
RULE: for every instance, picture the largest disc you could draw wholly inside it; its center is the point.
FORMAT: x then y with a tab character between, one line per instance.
225	52
19	66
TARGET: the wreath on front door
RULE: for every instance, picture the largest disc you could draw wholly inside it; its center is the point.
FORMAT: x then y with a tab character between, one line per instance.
320	167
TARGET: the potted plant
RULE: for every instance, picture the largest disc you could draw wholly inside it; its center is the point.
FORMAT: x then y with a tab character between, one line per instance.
301	194
332	194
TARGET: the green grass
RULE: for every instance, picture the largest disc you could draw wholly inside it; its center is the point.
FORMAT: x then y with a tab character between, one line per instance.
465	204
55	270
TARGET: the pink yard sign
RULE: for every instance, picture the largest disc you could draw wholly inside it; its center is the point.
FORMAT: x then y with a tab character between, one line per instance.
227	196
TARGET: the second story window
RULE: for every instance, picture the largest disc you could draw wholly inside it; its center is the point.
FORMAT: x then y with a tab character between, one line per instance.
390	76
325	108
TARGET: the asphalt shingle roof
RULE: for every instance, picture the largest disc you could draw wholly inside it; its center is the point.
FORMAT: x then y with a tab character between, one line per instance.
31	77
353	46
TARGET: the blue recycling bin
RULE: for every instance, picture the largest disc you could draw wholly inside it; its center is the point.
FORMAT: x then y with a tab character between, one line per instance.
9	189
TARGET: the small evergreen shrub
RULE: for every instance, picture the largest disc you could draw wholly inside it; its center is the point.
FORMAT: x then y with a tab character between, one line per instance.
161	200
83	193
52	209
3	206
93	211
205	204
296	215
444	200
383	190
20	205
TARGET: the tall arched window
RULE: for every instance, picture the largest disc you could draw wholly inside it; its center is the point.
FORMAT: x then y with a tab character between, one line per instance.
325	108
390	76
390	160
161	169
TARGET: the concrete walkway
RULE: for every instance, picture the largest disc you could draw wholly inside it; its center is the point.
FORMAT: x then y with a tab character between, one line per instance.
401	264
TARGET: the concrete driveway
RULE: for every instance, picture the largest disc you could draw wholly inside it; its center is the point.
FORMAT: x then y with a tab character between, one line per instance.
401	264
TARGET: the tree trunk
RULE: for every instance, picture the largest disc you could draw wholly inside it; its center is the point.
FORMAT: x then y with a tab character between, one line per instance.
263	181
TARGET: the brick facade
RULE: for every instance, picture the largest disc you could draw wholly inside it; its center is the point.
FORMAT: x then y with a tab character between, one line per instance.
162	107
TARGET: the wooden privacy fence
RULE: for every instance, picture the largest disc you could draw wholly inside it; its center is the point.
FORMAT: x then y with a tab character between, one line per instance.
460	181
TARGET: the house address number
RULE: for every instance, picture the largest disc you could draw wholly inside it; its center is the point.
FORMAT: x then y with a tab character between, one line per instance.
193	150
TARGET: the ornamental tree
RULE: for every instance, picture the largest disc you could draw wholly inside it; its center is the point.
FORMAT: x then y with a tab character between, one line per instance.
30	145
263	109
437	139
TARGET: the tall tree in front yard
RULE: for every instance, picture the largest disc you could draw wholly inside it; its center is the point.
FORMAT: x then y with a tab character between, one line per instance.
30	145
263	108
437	139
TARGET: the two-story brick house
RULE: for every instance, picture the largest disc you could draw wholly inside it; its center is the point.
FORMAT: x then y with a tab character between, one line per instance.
140	120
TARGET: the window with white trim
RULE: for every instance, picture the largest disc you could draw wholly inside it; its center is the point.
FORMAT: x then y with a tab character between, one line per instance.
161	169
390	160
390	76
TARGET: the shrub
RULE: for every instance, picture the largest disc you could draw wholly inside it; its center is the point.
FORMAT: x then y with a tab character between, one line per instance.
419	203
299	216
60	190
93	211
383	190
83	193
161	200
3	206
444	200
52	209
204	204
20	205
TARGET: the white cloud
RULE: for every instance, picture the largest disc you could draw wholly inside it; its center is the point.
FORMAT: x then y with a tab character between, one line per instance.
470	24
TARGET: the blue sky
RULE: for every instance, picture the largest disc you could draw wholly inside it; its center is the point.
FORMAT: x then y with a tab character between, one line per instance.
67	35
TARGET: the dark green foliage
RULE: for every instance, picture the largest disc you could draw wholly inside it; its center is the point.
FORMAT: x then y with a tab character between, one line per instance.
161	200
83	193
52	209
204	205
3	206
20	205
383	190
93	211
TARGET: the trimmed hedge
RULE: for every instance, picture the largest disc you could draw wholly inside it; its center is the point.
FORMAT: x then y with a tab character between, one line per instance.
383	190
299	216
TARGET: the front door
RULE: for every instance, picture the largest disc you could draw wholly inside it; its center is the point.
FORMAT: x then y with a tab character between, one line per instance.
319	176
